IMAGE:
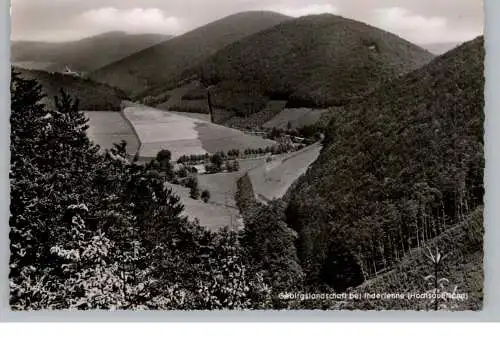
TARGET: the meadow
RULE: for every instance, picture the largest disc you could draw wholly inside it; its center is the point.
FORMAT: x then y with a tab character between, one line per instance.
108	127
209	215
295	118
222	187
272	180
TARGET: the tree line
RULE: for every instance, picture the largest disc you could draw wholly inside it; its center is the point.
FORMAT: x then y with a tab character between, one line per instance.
95	231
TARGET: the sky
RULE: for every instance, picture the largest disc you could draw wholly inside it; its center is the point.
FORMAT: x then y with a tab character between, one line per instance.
419	21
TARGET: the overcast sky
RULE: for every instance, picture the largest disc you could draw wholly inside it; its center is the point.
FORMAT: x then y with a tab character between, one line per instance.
420	21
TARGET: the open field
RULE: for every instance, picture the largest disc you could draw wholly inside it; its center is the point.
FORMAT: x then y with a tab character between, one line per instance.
209	215
174	96
108	127
182	135
297	117
257	120
273	179
222	187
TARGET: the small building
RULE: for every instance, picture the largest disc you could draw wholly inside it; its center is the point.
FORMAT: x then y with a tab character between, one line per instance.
200	168
68	71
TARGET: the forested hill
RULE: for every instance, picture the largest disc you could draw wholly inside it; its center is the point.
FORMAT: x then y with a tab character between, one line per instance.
165	61
82	55
396	170
316	60
92	95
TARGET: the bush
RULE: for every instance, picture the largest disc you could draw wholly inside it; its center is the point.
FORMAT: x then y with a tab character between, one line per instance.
205	195
194	192
232	166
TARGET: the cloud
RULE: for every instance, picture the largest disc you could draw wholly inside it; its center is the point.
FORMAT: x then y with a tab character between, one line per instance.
136	20
306	10
418	28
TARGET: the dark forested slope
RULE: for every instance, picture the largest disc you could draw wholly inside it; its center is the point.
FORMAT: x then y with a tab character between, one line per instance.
164	62
317	60
92	95
83	55
396	170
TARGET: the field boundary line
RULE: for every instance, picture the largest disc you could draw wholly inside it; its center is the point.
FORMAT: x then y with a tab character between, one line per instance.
131	125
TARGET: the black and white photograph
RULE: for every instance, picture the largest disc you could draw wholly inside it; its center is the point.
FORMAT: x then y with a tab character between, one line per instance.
246	155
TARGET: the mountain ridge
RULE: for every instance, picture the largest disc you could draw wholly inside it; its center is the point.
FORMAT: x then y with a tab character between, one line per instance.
82	55
312	61
139	71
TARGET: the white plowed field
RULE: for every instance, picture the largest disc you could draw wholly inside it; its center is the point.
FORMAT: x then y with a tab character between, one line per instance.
183	135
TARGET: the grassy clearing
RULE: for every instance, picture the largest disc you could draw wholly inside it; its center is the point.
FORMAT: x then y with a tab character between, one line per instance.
173	97
218	138
258	119
108	127
222	187
209	215
273	179
295	117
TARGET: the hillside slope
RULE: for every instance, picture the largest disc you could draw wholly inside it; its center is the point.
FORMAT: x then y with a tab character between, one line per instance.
83	55
462	267
164	62
317	60
395	171
92	95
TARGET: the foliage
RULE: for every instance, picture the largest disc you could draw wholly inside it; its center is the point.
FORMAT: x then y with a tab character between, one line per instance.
232	166
94	231
395	171
163	157
461	272
269	241
205	195
475	230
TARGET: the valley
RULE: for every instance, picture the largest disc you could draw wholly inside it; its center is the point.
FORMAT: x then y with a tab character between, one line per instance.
147	131
279	153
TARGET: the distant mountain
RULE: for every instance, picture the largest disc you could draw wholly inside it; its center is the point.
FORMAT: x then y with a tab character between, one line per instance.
397	169
83	55
314	61
163	63
440	48
92	95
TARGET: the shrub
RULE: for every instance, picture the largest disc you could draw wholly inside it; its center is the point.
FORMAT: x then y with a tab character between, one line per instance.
205	195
